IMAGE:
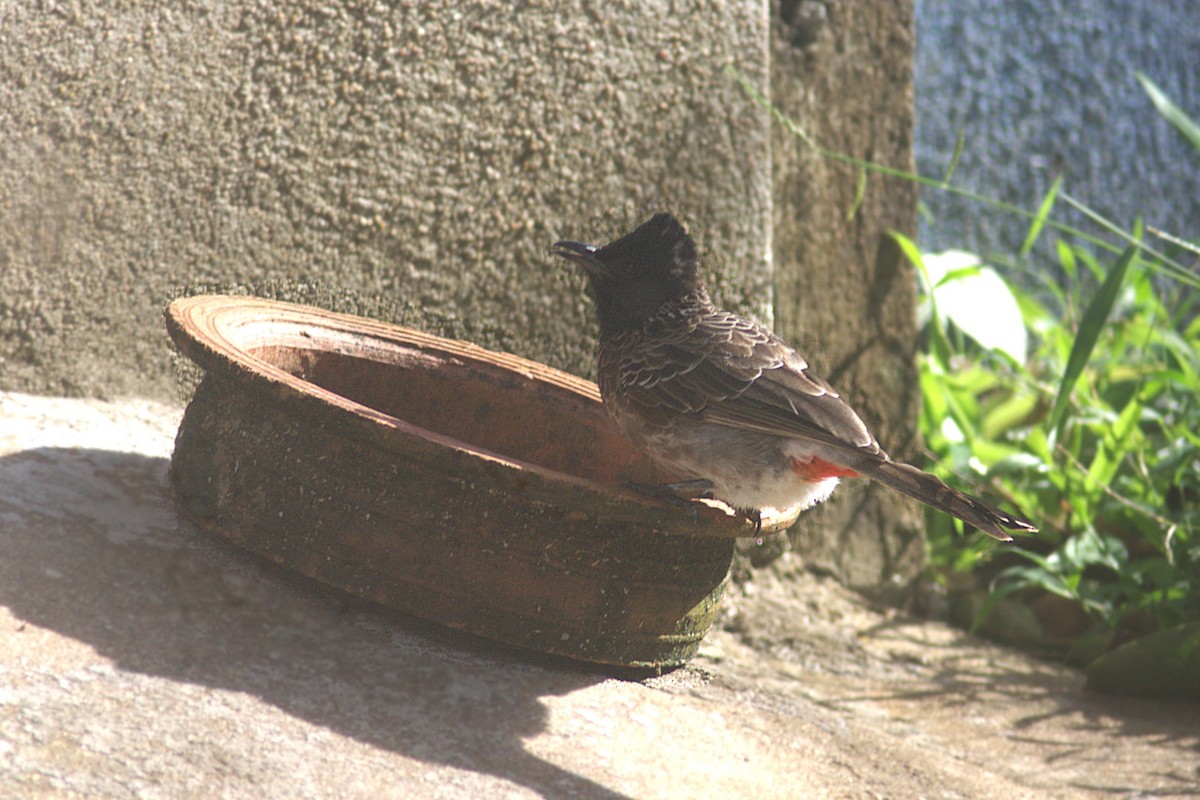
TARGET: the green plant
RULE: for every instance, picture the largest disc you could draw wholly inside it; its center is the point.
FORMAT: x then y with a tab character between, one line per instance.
1078	401
1092	433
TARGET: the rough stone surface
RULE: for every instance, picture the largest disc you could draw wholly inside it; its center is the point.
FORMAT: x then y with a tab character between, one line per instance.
142	658
1040	89
843	73
429	152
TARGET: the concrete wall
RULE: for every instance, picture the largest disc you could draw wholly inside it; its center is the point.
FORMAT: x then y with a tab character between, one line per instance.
843	72
1047	88
429	152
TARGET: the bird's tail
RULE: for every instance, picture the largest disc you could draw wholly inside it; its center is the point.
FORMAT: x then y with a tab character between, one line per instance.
931	491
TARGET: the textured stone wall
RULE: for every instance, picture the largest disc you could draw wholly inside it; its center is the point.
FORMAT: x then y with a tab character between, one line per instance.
427	152
1047	88
843	73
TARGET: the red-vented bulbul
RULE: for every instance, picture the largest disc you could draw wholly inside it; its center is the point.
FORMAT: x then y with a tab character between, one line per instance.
721	401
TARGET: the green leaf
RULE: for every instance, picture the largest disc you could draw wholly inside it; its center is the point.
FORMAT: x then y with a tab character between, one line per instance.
942	350
1018	464
1090	262
1171	112
1113	446
1039	221
913	254
1010	413
1094	320
978	301
1088	548
959	273
1037	443
1066	257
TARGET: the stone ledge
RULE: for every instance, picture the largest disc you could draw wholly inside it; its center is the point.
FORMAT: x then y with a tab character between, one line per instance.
142	658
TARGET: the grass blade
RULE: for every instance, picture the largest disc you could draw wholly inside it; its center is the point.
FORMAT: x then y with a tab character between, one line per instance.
1171	112
941	344
860	192
1175	240
1169	266
1094	319
958	151
1043	214
1114	446
1166	264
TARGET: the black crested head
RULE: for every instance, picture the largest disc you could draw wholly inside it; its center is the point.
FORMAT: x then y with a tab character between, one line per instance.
634	276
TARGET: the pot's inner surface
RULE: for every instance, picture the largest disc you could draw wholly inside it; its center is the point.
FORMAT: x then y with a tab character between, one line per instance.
482	405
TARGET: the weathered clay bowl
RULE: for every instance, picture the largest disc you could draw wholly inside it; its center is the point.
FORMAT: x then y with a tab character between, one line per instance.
475	489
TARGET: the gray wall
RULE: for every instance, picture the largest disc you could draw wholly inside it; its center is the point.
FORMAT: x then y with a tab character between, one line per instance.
427	152
1042	87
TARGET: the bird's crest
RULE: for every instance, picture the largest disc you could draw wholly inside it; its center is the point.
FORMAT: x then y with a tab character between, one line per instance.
657	245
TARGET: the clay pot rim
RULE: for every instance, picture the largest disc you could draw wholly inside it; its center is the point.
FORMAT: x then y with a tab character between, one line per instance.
218	332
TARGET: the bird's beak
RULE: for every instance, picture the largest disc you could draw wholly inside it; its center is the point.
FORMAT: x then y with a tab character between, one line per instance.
582	254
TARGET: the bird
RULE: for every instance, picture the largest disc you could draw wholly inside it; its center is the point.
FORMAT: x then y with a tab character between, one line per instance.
724	404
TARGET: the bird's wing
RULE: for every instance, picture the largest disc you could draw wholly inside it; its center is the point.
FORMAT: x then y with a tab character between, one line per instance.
723	369
730	371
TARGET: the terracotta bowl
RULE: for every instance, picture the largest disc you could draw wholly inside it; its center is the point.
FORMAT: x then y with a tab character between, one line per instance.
475	489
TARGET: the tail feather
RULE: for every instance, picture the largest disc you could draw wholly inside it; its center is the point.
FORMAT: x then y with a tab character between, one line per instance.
931	491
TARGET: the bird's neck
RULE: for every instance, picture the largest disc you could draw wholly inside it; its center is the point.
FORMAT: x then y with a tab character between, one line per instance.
632	319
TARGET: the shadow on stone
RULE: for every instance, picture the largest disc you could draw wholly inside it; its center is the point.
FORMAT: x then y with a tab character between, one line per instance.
100	557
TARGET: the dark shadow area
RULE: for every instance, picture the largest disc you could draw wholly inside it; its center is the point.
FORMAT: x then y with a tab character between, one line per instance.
162	598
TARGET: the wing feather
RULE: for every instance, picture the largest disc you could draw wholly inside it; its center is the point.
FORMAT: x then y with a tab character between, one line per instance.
731	371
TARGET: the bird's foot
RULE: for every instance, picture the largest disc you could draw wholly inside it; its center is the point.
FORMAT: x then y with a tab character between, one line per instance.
753	515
